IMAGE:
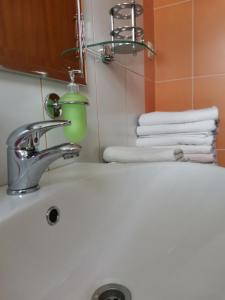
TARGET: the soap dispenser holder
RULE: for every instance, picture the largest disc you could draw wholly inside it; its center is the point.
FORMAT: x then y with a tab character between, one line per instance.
53	104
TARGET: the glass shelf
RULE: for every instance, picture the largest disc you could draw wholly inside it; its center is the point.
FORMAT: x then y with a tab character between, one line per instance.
116	46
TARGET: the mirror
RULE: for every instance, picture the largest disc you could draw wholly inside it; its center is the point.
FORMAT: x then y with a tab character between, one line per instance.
33	35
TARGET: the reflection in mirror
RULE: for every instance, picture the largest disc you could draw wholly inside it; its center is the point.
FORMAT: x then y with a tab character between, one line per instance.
33	35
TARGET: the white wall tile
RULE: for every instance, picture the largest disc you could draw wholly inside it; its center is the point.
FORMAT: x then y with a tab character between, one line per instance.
111	95
20	104
90	146
135	103
88	20
116	94
132	62
101	19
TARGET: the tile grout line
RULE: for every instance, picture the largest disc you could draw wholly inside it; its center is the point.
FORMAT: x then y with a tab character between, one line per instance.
42	98
43	110
192	77
193	52
209	75
96	93
172	4
174	79
149	80
126	106
155	62
97	112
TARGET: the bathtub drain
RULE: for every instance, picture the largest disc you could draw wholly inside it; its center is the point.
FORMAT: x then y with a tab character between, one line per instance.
112	291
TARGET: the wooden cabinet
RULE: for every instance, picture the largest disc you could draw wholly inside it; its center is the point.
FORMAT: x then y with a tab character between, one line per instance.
33	34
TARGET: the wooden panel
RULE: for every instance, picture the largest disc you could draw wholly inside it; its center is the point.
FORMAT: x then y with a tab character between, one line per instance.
33	33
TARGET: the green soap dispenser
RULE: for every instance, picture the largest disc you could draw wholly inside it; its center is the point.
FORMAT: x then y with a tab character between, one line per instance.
73	106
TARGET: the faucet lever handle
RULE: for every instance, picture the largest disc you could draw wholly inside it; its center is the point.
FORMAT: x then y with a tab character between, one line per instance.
28	135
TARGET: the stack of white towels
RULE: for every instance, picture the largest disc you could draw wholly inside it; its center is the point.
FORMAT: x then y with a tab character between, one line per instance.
192	131
171	136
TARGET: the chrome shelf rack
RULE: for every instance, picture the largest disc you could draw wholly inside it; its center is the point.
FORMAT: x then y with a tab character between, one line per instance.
125	39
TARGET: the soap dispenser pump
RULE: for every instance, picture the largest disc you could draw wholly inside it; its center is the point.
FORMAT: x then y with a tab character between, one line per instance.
73	105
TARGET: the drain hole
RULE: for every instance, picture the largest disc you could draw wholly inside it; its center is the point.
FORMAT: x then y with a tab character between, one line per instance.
112	295
53	215
112	291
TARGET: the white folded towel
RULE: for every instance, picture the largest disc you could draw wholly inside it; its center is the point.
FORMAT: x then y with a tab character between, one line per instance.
200	133
200	158
195	115
189	149
175	139
140	154
209	125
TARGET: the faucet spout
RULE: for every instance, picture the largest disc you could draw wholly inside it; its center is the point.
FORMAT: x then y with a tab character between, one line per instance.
66	151
26	164
33	167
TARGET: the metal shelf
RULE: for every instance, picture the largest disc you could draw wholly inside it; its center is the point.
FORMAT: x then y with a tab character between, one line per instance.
106	50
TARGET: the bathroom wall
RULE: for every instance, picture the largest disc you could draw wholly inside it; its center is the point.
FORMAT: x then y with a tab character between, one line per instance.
190	65
149	63
115	92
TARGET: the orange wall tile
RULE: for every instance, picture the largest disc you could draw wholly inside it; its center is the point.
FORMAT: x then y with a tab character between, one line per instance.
160	3
190	63
208	92
149	63
209	38
173	41
150	92
173	95
221	158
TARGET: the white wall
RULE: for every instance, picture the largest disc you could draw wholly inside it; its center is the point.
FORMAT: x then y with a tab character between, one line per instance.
115	92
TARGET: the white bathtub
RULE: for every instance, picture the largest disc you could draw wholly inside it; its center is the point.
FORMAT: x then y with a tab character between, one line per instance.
158	229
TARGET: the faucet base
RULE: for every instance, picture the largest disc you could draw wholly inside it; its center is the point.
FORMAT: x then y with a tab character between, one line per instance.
23	191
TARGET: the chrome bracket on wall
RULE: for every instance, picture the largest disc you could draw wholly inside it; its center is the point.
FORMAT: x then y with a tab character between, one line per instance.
52	106
107	54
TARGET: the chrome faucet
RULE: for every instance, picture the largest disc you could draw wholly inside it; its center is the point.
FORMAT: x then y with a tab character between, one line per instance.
26	163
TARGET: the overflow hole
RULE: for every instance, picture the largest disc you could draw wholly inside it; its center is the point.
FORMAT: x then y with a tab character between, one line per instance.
53	215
